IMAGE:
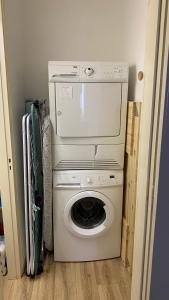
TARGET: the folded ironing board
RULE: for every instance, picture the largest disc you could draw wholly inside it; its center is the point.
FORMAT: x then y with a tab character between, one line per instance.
38	183
25	158
33	188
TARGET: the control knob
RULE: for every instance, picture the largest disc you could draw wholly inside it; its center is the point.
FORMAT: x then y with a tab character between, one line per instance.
89	71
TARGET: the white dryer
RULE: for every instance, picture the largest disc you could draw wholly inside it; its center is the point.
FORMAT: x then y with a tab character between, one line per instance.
87	214
88	103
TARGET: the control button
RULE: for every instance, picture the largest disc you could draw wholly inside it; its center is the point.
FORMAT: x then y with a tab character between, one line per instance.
89	180
89	71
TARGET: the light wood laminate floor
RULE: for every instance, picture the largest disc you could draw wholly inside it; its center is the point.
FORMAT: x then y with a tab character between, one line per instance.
101	280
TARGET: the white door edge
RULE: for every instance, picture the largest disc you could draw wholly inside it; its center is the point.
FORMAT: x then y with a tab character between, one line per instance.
149	115
156	146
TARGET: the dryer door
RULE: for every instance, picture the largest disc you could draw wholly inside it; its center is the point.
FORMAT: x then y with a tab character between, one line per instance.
88	109
88	214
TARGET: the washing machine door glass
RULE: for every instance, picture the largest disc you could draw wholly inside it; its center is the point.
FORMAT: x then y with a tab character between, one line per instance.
88	214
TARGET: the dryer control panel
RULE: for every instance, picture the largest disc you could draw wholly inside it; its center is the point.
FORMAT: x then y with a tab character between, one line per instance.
83	179
88	71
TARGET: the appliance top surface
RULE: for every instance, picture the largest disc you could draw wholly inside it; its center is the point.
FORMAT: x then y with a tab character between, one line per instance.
87	71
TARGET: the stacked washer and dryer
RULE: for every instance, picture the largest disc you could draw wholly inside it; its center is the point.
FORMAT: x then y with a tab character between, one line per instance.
88	104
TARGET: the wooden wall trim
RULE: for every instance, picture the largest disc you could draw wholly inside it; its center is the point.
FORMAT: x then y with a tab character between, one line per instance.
130	182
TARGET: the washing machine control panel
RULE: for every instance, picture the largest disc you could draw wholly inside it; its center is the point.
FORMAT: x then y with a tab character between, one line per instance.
101	179
83	179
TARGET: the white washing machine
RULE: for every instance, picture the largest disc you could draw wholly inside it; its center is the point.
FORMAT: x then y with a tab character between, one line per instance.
87	214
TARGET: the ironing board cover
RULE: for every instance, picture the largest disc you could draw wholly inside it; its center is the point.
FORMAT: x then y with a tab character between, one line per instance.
38	183
47	183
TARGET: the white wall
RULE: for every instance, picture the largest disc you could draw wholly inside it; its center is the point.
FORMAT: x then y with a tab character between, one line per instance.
82	30
14	50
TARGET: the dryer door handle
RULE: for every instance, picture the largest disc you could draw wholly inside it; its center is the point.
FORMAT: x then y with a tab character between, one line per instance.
65	75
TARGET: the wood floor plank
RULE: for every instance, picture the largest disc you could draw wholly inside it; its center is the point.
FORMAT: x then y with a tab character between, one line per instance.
7	288
78	282
101	280
89	285
59	288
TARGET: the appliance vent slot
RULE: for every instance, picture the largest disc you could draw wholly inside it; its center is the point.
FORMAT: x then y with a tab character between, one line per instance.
87	165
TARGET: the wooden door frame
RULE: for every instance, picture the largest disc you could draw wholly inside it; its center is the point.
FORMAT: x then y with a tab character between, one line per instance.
7	176
6	194
149	147
163	53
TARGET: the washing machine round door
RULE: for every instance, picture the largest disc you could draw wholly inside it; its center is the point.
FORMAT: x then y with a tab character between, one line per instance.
88	214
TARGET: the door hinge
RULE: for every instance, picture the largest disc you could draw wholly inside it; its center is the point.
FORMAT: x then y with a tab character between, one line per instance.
10	163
